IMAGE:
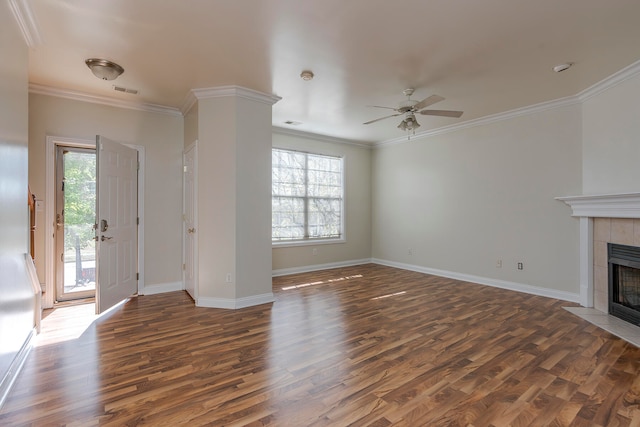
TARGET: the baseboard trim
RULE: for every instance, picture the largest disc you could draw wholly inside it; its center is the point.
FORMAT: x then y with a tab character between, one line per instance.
317	267
502	284
235	303
16	366
160	288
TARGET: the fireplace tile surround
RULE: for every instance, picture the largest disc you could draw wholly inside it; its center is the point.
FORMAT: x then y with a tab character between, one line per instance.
607	218
624	231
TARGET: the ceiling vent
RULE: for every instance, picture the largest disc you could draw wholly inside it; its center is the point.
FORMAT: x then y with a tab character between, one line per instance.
125	90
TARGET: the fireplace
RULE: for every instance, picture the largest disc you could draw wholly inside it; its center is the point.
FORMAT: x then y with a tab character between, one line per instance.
624	282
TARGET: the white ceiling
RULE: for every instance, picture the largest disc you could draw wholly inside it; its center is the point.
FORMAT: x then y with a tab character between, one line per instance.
484	57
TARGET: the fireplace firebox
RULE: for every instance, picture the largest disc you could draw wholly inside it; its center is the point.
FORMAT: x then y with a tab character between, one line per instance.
624	282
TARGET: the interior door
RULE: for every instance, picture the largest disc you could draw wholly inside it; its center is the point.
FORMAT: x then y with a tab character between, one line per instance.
190	221
117	219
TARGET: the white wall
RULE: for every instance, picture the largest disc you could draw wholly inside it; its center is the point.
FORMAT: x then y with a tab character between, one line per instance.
162	137
462	200
611	129
17	302
357	206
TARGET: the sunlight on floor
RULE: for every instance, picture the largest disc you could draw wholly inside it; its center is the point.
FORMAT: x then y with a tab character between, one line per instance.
321	282
389	295
68	323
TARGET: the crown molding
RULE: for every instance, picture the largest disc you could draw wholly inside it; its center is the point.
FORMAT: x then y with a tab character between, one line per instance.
235	91
103	100
616	78
188	103
318	137
26	22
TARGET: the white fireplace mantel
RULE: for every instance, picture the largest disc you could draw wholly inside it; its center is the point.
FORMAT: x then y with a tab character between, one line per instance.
625	205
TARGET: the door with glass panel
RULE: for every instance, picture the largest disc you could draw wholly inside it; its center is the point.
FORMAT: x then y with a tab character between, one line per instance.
75	219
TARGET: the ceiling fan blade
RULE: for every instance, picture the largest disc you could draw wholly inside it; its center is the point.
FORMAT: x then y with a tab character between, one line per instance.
381	118
428	101
379	106
445	113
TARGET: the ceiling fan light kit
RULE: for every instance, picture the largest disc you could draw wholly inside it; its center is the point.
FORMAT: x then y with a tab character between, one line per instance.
411	107
104	69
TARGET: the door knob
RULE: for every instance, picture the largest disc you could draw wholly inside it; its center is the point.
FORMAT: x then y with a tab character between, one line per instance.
103	238
191	230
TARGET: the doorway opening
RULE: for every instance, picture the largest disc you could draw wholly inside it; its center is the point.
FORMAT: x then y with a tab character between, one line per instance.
52	258
75	223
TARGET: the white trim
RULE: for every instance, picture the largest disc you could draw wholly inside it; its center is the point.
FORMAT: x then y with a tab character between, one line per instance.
26	21
141	173
6	383
317	137
196	257
502	284
160	288
317	267
50	202
307	242
188	103
611	81
231	303
623	205
103	100
234	91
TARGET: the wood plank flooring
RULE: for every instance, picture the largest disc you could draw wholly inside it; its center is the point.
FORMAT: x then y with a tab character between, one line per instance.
359	346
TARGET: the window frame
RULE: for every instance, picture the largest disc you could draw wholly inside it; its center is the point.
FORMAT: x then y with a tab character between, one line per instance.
307	241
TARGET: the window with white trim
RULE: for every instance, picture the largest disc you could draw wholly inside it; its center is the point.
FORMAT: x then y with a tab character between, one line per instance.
306	196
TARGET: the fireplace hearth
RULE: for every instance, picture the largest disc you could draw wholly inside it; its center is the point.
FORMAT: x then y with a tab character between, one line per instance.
624	282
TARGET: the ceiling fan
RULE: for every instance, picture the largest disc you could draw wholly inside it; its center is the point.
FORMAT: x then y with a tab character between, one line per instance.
411	107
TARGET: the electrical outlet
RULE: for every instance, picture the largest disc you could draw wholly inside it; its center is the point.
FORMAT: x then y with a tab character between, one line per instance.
520	266
409	251
228	277
499	263
314	251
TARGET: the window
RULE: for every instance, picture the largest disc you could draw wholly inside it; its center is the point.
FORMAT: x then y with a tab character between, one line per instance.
306	196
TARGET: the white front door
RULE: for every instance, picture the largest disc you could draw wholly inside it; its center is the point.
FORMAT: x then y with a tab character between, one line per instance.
190	221
116	220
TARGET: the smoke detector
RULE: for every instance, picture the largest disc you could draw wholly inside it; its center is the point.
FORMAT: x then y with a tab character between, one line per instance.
562	67
306	75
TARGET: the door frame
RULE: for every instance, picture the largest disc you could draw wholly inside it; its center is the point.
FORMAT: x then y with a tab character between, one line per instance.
50	215
193	146
60	196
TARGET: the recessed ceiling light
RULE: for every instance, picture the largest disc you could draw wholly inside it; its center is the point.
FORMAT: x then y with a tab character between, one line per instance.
306	75
562	67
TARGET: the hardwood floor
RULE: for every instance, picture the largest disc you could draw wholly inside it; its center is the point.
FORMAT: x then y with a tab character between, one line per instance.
366	345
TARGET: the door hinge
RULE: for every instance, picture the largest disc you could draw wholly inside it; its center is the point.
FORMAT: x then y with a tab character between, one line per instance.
138	220
138	165
137	276
184	266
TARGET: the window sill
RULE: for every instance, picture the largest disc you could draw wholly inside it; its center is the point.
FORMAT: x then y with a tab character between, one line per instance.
294	243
